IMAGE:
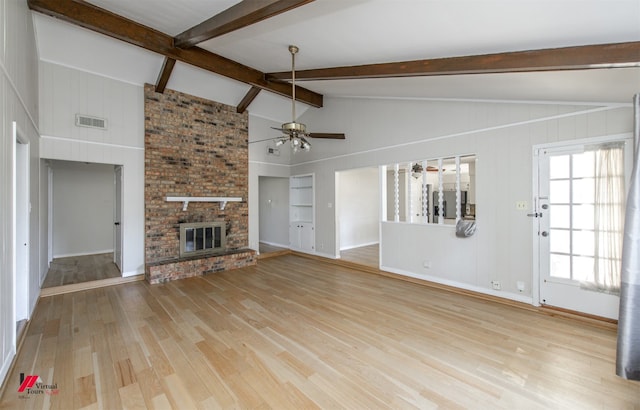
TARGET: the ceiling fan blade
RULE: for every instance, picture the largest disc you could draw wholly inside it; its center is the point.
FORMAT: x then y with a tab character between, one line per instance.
328	135
266	139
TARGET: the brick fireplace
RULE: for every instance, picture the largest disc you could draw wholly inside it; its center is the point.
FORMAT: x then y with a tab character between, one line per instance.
193	148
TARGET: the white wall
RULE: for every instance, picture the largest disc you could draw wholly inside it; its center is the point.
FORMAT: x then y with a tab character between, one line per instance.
66	92
502	134
83	208
19	103
274	211
358	207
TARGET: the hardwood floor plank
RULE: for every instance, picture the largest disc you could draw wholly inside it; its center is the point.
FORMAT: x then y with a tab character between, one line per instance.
161	402
105	376
293	332
156	356
84	391
82	362
184	371
151	389
177	392
131	397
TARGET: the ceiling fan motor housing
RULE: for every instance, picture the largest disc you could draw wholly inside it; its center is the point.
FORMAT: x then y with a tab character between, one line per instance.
294	128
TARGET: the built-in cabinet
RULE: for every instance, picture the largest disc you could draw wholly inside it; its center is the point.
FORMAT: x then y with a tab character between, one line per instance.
302	213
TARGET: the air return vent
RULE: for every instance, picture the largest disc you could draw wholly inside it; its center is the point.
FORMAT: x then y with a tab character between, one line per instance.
91	122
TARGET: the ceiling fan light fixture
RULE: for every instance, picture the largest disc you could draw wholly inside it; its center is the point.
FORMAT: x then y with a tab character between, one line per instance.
304	144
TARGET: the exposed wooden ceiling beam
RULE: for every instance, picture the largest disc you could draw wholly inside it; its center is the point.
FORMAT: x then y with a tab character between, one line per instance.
165	73
248	99
240	15
110	24
553	59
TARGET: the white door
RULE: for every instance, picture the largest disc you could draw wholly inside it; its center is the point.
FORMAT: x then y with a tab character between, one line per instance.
117	224
578	248
21	228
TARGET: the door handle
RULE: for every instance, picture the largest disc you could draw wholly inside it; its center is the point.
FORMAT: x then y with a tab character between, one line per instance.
544	233
116	223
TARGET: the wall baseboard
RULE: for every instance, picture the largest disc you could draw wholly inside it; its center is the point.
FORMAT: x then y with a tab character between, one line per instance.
279	245
73	255
346	248
76	287
459	285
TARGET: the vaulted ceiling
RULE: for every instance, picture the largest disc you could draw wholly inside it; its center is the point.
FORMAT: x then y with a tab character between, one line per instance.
235	52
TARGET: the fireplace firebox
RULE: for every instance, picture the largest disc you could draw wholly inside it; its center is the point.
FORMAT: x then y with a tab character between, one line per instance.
202	238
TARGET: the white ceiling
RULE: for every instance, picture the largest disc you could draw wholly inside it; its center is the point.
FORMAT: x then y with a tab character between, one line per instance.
339	32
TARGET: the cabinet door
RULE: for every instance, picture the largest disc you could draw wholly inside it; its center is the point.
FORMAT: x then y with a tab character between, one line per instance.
294	235
307	236
302	236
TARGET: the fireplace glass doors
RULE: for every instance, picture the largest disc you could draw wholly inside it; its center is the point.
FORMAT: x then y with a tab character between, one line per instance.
201	238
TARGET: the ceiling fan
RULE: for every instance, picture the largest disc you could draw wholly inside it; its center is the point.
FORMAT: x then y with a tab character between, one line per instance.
294	132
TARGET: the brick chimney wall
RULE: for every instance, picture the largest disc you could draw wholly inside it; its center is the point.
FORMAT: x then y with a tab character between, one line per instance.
193	147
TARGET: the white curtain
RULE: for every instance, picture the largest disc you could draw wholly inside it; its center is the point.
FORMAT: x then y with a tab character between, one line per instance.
609	217
628	353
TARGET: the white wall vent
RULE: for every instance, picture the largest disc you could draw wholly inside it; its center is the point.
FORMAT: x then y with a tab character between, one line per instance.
91	122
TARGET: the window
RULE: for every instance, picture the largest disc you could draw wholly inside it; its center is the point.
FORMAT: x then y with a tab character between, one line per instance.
586	220
436	191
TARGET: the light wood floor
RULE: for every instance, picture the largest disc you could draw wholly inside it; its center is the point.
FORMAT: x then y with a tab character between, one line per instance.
365	255
270	251
79	269
296	333
267	248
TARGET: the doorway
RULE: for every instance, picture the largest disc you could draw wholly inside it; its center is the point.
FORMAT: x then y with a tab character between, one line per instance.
580	195
273	215
358	216
21	240
86	243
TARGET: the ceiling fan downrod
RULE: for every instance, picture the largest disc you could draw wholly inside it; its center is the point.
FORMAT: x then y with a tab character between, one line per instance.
293	50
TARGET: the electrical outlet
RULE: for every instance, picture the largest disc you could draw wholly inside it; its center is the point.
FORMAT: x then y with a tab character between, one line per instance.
521	205
495	284
520	285
426	264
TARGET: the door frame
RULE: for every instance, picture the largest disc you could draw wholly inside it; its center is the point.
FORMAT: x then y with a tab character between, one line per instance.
50	163
118	238
21	224
535	282
49	216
